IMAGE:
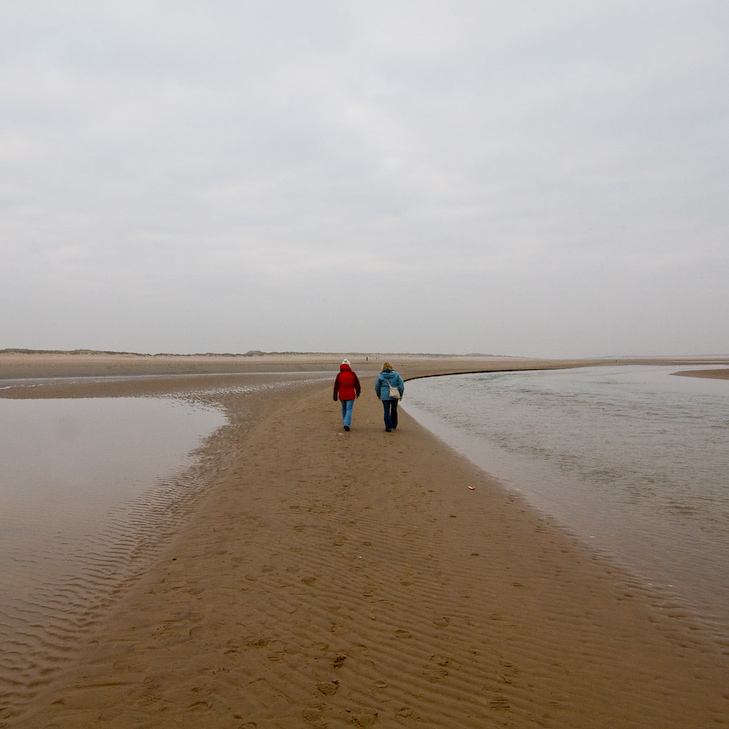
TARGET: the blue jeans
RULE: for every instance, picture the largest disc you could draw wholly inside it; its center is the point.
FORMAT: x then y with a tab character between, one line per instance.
390	414
347	406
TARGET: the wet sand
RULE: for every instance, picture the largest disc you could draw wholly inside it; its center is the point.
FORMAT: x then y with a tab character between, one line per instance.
722	374
372	579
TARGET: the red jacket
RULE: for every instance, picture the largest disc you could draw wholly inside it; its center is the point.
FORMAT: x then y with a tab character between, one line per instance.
346	386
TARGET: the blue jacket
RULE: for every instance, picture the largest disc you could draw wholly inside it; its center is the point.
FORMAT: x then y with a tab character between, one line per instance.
383	382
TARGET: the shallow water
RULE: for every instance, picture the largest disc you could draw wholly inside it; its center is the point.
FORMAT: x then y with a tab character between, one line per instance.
66	463
633	459
85	485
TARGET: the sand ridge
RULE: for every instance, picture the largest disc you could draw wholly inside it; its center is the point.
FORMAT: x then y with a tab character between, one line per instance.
722	374
339	579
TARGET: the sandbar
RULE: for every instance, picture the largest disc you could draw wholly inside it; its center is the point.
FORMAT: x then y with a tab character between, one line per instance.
334	579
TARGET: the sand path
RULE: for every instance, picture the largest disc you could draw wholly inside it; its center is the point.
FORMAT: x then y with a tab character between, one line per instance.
339	579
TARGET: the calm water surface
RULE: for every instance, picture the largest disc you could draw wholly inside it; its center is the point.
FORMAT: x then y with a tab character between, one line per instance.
633	459
85	485
65	464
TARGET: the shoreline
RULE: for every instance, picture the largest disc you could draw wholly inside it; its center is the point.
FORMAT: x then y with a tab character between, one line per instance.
333	579
24	365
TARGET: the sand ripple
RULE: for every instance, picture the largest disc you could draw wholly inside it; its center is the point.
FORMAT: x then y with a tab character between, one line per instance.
40	633
338	580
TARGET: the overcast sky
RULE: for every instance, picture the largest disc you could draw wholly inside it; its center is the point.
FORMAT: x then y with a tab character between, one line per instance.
538	178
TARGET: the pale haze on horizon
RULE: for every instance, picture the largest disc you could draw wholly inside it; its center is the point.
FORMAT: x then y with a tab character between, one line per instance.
522	178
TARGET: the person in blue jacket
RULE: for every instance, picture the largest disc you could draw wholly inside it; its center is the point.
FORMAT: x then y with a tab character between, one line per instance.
387	378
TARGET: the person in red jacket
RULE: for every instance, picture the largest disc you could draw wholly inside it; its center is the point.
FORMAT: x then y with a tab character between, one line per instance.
347	389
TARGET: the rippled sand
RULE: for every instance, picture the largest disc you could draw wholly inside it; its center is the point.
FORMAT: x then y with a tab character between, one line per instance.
337	579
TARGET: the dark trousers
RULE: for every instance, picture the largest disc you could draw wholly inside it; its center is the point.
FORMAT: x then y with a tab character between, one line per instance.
390	414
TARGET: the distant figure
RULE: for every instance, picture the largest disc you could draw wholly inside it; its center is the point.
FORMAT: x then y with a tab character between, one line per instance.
347	389
389	388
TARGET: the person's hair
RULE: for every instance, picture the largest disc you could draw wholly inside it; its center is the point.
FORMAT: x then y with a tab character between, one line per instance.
386	366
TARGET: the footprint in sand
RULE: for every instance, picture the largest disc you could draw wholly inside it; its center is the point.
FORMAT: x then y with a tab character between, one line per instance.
313	714
434	674
500	704
364	720
328	688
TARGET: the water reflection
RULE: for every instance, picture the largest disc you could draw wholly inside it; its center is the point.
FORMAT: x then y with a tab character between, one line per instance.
65	464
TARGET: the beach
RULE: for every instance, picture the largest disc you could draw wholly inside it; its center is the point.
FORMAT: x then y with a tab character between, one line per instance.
337	579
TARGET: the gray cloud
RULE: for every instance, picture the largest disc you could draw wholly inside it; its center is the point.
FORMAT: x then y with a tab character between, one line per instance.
530	178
